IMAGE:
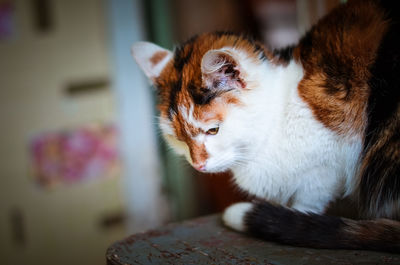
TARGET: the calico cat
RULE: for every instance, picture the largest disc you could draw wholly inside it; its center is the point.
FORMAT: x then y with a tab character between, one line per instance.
299	128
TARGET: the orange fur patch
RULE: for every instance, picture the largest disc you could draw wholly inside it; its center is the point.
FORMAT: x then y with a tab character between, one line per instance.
158	57
198	152
192	54
336	55
185	71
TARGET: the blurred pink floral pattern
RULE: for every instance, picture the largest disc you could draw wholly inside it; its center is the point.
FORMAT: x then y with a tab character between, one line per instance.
72	156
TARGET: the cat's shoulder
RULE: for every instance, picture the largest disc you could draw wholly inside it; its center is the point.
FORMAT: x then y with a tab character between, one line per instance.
337	55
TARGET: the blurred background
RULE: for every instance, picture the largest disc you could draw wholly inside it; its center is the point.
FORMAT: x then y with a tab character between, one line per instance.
82	163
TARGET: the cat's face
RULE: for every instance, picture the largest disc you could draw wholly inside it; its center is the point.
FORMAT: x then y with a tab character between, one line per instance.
201	88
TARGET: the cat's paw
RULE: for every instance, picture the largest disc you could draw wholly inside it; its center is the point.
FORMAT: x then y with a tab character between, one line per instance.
234	215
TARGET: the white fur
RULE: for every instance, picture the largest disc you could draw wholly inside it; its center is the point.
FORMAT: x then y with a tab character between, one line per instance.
277	150
289	156
273	144
234	215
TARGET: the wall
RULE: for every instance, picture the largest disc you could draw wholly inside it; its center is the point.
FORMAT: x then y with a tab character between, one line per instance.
61	224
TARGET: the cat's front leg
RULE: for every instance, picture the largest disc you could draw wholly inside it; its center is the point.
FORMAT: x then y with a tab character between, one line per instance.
244	216
316	198
309	204
281	224
234	216
238	215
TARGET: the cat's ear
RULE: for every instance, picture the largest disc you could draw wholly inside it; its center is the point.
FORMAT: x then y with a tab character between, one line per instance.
151	58
221	70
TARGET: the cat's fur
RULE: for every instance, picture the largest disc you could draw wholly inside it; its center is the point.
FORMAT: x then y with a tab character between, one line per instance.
299	128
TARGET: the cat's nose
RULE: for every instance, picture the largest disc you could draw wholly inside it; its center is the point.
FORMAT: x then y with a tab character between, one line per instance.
200	166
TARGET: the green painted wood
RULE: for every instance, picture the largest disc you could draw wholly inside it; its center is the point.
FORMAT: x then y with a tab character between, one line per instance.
206	241
177	175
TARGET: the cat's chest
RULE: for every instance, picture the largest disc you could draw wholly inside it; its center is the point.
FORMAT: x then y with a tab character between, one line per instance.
298	154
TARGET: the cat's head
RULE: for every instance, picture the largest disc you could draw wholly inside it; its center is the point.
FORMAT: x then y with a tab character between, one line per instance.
202	86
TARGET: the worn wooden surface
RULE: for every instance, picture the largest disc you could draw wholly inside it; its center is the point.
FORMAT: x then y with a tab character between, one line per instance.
206	241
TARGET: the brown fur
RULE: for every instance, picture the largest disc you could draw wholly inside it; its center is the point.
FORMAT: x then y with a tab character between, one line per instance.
383	230
336	57
371	234
189	70
158	57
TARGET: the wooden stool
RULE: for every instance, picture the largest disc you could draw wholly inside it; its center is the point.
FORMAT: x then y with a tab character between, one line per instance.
206	241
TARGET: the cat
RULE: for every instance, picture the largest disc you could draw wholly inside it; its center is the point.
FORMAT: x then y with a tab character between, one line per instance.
299	127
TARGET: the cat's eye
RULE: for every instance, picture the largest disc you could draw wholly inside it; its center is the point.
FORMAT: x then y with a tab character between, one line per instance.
213	131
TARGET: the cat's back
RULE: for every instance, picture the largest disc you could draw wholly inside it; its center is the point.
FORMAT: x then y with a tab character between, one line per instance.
351	82
336	55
